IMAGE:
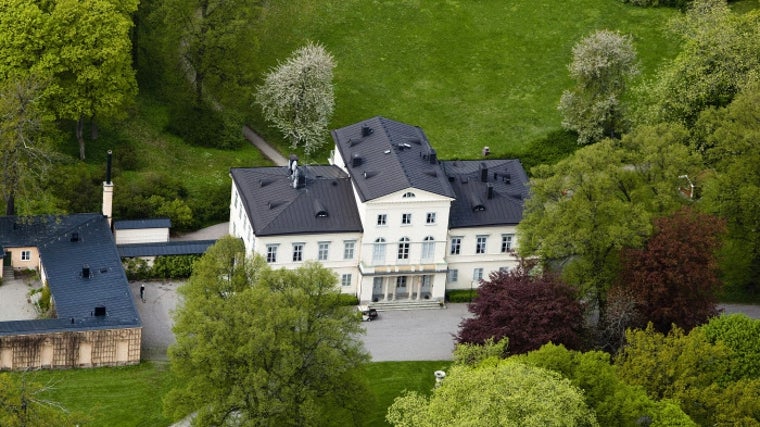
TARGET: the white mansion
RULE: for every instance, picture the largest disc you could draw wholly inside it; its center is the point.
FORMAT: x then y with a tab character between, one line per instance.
393	221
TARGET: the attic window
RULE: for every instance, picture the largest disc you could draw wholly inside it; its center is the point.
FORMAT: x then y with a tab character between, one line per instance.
319	209
476	203
264	182
408	195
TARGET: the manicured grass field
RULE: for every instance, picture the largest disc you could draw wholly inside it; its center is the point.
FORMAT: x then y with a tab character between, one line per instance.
131	395
470	73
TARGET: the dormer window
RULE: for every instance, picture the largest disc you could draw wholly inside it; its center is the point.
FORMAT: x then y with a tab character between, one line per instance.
408	195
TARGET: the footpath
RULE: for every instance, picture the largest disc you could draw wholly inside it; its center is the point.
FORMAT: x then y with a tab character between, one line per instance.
264	146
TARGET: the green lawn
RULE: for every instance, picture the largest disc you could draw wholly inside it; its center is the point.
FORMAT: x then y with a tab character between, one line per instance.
131	395
470	73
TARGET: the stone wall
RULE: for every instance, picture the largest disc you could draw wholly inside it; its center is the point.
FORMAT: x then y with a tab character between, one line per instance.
70	349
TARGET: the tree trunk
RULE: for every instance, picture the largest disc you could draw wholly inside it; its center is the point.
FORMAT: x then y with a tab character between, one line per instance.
93	129
10	204
80	137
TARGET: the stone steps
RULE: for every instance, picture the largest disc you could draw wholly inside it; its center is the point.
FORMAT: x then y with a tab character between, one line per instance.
405	305
8	273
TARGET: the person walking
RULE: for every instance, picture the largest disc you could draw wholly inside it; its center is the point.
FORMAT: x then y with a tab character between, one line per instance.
142	292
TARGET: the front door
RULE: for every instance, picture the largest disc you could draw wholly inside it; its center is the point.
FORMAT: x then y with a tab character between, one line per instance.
7	259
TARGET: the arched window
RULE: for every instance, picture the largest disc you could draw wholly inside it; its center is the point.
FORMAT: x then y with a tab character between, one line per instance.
408	195
428	248
378	252
403	248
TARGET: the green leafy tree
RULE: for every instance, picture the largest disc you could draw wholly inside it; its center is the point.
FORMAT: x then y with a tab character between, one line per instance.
720	50
495	393
614	402
81	49
23	404
264	348
691	370
297	96
739	333
24	154
674	279
732	191
602	63
210	42
586	208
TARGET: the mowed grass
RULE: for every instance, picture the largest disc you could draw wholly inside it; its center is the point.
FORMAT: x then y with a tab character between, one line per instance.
470	73
132	395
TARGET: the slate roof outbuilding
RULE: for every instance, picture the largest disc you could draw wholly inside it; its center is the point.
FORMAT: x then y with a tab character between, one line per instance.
182	247
133	224
67	244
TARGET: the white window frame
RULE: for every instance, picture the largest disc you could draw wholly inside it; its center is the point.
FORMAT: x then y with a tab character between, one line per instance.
382	219
506	243
430	218
298	248
345	280
481	243
378	251
428	248
26	255
453	275
323	251
477	274
456	246
349	249
403	248
406	219
272	253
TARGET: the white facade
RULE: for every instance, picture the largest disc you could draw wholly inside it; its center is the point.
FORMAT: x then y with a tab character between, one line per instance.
141	235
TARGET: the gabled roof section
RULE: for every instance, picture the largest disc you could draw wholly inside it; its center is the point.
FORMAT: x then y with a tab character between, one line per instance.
322	203
83	270
134	224
488	192
384	156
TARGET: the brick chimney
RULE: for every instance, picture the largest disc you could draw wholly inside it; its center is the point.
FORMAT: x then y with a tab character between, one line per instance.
108	192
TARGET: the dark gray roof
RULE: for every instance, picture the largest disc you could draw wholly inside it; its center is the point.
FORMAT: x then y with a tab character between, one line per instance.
181	247
276	208
133	224
472	207
68	243
384	156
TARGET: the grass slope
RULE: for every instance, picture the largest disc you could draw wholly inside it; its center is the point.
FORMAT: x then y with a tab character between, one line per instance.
470	74
132	395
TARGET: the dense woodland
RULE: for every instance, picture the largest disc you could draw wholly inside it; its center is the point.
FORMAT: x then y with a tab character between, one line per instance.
645	193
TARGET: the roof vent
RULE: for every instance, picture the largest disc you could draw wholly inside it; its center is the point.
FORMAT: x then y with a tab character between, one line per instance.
273	204
483	172
507	178
432	157
264	182
86	271
416	141
352	142
75	236
387	151
431	172
367	131
100	311
369	174
356	160
463	179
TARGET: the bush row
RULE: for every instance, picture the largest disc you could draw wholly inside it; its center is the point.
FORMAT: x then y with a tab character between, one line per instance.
461	295
164	267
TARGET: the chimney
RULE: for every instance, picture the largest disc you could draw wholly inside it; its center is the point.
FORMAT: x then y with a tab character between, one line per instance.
433	157
489	191
86	271
483	172
108	192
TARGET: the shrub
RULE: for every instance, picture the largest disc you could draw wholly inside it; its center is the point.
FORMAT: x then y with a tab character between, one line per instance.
205	126
136	268
348	299
461	295
173	266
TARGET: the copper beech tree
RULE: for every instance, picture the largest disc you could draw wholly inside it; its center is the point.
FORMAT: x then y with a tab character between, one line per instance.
531	310
674	279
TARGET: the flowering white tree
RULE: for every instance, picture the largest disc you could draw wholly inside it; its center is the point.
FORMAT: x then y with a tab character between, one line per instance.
602	62
297	96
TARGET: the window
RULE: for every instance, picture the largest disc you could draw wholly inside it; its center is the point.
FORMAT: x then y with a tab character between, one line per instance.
477	274
403	248
506	243
297	252
453	275
271	253
382	219
408	195
503	269
430	218
26	255
428	248
406	218
401	282
345	280
324	250
480	246
456	245
378	252
348	249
